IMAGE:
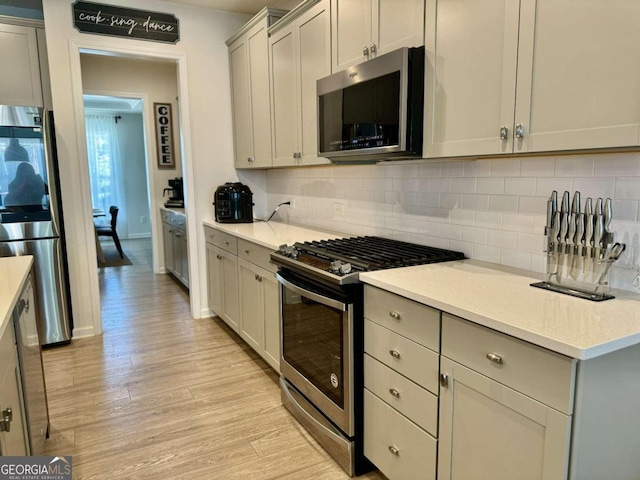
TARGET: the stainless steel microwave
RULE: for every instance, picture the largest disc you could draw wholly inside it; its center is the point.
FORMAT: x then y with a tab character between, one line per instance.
373	111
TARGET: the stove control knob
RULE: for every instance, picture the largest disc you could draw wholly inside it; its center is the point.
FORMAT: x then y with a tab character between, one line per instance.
345	268
294	253
335	267
291	252
282	249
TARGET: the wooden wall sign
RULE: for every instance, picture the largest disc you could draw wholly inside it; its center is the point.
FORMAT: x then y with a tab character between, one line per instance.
164	135
89	17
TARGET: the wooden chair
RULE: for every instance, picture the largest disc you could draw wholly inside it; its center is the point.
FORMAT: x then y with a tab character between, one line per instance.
110	230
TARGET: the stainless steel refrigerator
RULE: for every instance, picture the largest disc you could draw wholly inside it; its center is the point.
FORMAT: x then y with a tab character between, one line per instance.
31	221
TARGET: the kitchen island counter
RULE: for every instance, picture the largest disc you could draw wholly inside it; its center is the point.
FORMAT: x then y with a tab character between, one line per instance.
502	299
14	272
271	234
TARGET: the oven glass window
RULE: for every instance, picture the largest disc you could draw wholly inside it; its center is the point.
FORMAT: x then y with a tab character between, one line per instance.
313	343
364	115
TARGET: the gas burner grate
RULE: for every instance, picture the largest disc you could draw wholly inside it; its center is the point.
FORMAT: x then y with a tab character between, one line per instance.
377	253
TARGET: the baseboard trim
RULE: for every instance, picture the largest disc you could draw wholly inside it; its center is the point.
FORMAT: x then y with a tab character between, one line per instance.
136	235
84	332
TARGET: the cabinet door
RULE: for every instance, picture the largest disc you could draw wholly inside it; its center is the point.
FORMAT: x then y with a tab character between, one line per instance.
260	100
284	97
314	58
350	32
472	51
184	259
20	79
241	103
13	442
397	24
488	430
177	253
251	305
215	279
578	75
231	310
270	288
167	239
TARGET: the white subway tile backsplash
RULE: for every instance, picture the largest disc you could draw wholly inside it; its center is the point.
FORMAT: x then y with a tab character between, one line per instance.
490	185
463	185
477	168
617	165
504	203
505	167
502	239
489	220
538	167
520	186
475	202
627	188
474	235
517	223
491	209
574	166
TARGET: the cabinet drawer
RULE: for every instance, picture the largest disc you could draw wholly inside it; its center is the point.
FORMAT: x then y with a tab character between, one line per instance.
221	239
412	360
410	399
406	317
386	432
539	373
256	254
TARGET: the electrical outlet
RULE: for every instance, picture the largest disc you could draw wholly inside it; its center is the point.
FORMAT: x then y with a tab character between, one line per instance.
293	204
338	209
143	219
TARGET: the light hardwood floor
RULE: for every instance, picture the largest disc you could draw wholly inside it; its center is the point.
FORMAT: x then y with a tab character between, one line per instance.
161	395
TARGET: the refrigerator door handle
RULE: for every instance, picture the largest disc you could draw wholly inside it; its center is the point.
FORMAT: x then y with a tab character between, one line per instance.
52	180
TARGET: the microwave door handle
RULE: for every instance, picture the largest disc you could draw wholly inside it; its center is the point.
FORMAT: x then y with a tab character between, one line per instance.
330	302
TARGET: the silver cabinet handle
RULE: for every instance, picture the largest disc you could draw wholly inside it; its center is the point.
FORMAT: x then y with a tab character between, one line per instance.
251	159
519	130
246	251
504	133
444	380
497	359
372	48
178	234
394	392
394	353
260	278
226	243
365	51
255	276
394	315
5	421
394	450
218	256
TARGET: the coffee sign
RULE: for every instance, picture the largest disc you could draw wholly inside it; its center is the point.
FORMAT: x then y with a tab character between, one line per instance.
164	135
117	21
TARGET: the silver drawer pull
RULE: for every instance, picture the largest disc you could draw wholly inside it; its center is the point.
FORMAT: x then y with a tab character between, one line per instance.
394	392
394	353
394	315
497	359
393	449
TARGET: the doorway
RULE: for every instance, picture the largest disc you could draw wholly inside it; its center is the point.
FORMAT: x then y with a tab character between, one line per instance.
117	160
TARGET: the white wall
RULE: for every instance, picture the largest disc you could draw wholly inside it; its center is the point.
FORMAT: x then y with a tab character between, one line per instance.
205	118
493	210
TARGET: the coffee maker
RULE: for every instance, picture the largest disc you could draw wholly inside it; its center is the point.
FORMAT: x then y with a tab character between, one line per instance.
176	195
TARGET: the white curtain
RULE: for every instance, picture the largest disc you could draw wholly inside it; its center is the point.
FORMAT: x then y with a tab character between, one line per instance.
105	168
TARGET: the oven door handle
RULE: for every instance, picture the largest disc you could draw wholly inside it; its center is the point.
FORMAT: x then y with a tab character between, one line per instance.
330	302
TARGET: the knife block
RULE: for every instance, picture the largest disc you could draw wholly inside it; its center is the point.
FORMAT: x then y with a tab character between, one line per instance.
576	271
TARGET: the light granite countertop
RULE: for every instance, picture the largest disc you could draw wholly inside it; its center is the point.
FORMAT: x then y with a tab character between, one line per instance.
13	275
503	300
272	234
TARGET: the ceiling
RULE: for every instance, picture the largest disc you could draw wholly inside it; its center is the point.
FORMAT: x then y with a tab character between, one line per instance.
250	7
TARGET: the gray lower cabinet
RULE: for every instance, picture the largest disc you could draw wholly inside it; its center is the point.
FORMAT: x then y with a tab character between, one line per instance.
489	405
174	236
13	429
222	276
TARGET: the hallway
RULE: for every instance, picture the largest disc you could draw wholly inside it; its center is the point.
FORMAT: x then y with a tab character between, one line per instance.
160	395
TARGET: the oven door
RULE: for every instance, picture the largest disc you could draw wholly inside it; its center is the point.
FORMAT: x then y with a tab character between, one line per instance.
316	353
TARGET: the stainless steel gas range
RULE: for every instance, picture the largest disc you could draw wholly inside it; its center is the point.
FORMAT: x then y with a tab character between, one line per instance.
322	333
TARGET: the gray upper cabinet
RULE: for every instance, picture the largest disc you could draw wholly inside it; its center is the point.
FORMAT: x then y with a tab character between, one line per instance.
20	80
509	77
248	60
300	54
364	29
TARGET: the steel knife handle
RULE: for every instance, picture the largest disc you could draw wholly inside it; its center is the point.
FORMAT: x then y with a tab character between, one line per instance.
565	202
580	229
608	214
564	226
588	206
575	205
571	239
588	228
598	210
599	231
